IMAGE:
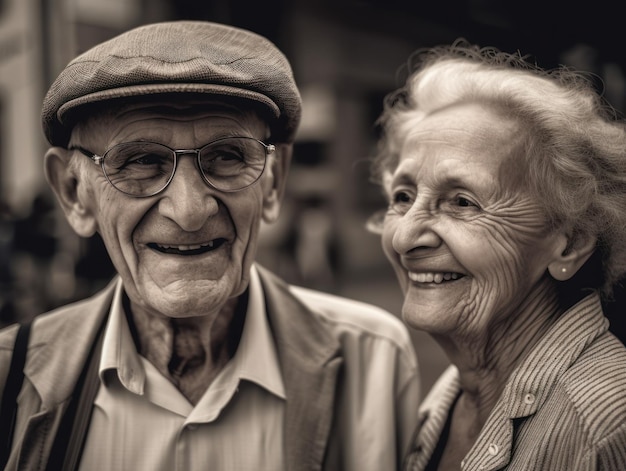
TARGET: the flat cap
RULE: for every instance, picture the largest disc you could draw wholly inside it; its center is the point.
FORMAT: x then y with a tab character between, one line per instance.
176	57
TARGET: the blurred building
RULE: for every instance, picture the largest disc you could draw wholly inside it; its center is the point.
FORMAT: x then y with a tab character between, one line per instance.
346	55
21	83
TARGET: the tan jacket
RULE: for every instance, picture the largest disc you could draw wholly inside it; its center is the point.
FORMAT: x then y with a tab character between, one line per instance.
319	338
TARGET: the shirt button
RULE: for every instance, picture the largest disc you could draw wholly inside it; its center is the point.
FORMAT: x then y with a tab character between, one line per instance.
529	398
493	449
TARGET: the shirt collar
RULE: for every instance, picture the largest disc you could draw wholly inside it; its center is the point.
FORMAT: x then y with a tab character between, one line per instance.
256	359
531	382
558	349
119	352
525	391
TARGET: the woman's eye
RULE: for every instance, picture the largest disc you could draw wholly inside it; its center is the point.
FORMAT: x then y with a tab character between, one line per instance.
401	197
400	201
463	202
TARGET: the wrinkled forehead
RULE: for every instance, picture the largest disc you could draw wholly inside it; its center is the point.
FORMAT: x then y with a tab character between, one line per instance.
97	120
475	132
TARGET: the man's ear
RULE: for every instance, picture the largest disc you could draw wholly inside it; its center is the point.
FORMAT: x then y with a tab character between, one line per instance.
64	179
278	168
570	255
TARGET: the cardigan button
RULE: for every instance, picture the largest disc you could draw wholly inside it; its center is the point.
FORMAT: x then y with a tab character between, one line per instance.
529	398
493	449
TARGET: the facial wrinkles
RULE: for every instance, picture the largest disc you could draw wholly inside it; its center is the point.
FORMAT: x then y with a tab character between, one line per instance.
221	124
241	251
519	227
513	234
516	329
196	128
433	163
88	135
184	132
469	129
514	223
444	161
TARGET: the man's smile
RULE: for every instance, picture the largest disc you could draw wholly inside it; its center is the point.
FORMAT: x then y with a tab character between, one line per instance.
191	249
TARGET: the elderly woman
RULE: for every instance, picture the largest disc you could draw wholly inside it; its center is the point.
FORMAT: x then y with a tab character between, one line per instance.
506	227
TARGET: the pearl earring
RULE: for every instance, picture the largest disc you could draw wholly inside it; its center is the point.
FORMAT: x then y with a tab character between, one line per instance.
563	270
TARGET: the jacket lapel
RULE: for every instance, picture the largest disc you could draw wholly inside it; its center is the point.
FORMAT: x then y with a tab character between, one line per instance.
310	360
56	357
309	355
58	350
38	438
433	414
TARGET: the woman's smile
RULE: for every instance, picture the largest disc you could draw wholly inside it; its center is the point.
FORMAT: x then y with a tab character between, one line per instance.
434	277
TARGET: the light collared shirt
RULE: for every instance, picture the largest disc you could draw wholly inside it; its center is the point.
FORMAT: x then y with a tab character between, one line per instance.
562	409
141	421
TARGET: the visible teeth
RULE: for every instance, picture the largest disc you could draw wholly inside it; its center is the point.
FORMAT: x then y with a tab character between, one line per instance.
188	247
432	277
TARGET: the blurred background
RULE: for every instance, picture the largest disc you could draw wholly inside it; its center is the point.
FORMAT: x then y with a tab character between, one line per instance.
345	54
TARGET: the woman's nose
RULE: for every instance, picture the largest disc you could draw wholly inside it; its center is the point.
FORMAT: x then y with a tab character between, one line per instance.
188	200
415	231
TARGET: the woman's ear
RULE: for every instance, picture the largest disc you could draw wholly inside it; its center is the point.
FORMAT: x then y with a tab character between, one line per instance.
276	181
64	179
570	255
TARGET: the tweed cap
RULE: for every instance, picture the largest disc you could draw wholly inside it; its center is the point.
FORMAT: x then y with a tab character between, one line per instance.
176	57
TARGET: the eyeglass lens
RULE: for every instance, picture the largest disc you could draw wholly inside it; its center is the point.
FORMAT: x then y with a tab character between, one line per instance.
145	168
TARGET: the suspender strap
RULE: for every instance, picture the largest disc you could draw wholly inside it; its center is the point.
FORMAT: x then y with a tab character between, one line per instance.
13	385
70	438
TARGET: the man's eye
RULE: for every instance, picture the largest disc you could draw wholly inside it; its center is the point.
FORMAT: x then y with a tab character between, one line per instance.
229	157
145	159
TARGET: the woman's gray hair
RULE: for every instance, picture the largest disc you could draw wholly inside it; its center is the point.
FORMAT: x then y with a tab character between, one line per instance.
575	149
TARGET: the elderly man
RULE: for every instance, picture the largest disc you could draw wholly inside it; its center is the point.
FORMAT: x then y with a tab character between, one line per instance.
173	141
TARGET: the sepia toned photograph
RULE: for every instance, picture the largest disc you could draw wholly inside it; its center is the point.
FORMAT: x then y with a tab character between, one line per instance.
339	235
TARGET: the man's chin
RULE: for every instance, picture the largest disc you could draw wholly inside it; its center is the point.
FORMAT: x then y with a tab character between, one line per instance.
190	298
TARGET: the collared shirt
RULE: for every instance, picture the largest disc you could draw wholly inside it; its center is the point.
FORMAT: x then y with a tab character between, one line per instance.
141	421
563	407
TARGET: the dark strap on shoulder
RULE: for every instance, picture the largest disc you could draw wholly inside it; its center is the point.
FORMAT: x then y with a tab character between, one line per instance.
70	437
13	385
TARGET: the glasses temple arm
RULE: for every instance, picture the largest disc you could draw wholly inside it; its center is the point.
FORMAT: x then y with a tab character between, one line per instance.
96	159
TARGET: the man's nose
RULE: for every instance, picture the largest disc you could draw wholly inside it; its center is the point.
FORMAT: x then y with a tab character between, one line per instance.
188	200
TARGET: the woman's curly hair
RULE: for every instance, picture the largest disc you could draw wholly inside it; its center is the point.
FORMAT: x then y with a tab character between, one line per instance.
575	145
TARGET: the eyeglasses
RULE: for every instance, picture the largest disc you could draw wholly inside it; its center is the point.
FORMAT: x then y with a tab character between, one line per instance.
142	169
